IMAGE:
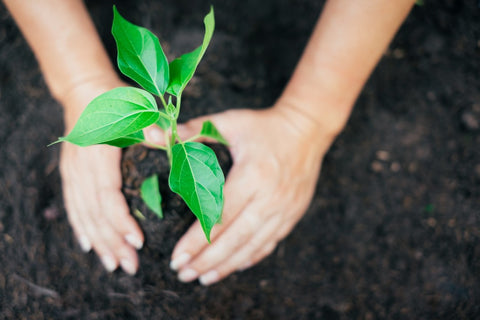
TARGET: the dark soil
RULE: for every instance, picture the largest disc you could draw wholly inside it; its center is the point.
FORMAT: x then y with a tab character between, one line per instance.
393	230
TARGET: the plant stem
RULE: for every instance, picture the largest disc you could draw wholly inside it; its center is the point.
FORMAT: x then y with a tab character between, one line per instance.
168	140
175	135
171	140
153	145
163	102
195	137
177	109
169	148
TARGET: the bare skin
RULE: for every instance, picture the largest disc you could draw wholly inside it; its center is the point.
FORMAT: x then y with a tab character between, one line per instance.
269	187
77	69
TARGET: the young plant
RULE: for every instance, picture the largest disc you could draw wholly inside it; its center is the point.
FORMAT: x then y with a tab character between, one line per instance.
118	117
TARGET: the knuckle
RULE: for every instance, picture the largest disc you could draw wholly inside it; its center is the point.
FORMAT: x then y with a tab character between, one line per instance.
251	222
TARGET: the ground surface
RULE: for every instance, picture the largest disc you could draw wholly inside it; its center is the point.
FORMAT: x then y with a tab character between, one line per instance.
393	230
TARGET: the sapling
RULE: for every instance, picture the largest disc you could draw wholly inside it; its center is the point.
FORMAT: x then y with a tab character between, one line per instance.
118	117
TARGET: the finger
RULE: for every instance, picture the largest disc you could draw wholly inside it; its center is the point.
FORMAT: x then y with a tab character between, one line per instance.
154	135
225	269
283	229
82	211
112	249
106	242
191	127
221	121
258	256
110	212
233	237
115	224
123	233
193	242
113	205
259	244
75	221
115	208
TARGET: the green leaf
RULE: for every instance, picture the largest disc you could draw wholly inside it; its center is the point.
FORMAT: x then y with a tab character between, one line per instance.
210	131
197	177
127	141
140	56
163	122
113	115
150	193
183	68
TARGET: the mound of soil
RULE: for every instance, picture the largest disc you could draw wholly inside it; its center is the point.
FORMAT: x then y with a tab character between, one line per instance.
392	232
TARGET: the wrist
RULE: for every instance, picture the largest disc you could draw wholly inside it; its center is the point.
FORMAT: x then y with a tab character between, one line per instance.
317	119
307	127
326	97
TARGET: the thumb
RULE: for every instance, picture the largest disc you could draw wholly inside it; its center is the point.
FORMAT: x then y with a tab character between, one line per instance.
154	135
194	127
191	128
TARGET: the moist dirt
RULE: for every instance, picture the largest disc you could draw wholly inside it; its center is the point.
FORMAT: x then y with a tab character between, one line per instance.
393	229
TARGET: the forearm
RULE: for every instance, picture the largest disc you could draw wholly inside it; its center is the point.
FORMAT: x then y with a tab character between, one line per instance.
65	43
347	43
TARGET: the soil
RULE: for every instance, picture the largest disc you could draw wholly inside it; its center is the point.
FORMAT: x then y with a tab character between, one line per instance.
392	232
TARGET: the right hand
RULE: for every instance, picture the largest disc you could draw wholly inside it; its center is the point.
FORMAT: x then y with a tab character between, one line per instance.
91	179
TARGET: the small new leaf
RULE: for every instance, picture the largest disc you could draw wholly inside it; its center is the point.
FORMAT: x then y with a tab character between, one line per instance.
150	193
197	177
163	122
116	114
183	68
171	108
140	56
210	131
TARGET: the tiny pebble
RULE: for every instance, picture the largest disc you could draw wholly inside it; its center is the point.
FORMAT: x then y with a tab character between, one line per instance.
382	155
418	254
470	121
8	238
431	222
451	223
51	213
395	167
412	167
398	53
376	166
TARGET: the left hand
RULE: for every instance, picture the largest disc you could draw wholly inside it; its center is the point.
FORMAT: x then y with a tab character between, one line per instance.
277	156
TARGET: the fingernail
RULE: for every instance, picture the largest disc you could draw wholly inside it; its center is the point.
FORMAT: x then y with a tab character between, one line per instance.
85	244
128	267
109	263
134	241
187	275
209	278
180	261
155	135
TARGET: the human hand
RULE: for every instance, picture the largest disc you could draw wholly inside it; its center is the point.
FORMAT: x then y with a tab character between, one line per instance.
277	155
91	179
